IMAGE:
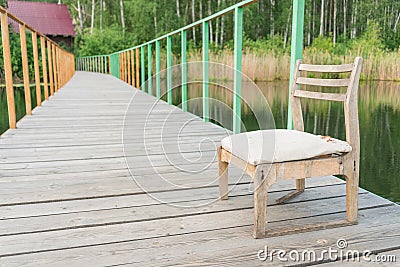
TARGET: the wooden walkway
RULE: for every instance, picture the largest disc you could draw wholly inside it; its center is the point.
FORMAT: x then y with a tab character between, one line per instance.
67	197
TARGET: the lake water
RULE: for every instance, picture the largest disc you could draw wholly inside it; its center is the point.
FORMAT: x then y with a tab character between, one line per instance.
379	114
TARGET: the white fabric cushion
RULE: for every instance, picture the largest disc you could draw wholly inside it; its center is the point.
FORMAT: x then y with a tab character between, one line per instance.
269	146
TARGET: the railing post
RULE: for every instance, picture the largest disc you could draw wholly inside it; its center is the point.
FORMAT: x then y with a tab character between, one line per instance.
36	67
149	69
158	69
296	46
25	70
120	66
169	70
100	60
58	68
103	64
184	70
109	64
44	68
206	90
142	70
128	57
125	68
237	78
53	51
137	69
133	67
8	71
50	62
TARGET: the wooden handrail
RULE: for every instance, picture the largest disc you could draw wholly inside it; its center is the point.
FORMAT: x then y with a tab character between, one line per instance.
60	67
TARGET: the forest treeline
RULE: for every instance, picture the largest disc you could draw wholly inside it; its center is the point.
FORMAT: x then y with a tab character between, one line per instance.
337	27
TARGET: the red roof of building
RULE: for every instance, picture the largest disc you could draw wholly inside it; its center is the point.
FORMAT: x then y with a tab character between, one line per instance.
47	18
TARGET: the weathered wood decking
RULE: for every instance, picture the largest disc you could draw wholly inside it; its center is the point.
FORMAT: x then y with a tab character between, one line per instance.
67	197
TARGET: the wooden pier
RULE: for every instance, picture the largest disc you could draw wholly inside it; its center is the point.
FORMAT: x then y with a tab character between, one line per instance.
67	197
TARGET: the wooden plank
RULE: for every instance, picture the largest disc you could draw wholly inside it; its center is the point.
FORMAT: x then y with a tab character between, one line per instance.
327	68
186	225
8	71
323	82
25	70
206	203
320	95
136	200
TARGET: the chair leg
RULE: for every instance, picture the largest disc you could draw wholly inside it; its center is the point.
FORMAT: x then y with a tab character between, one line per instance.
260	204
222	176
300	185
352	196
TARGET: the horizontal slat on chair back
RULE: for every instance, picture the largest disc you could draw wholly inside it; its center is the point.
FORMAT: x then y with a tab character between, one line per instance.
327	68
323	82
319	95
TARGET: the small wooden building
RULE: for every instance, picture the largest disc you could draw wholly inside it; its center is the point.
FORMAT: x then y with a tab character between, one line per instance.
53	20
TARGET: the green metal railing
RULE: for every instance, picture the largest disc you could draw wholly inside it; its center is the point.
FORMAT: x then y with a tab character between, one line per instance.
128	66
98	63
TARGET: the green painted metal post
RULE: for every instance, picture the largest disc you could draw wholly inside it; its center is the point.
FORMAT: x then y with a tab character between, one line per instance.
158	69
150	69
296	46
142	71
184	70
237	78
206	89
169	70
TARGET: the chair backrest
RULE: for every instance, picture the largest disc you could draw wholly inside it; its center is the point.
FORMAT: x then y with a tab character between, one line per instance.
350	98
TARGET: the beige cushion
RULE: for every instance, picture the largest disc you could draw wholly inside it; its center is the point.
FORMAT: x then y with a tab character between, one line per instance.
269	146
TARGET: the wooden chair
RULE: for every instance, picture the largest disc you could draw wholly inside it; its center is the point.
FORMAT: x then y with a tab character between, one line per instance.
288	163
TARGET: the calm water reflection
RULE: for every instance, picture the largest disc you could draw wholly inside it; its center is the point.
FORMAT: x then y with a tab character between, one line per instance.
19	98
379	113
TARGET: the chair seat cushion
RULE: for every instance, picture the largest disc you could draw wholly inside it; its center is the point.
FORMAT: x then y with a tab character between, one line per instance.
272	146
